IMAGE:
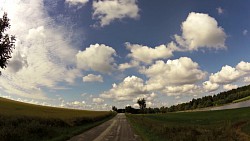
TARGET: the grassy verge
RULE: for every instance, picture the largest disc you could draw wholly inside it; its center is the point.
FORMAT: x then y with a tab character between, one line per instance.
210	125
242	99
26	122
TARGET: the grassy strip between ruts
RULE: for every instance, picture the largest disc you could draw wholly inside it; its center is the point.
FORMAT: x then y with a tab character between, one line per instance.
27	122
224	125
242	99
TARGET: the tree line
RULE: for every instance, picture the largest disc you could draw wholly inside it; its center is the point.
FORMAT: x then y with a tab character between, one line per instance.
204	102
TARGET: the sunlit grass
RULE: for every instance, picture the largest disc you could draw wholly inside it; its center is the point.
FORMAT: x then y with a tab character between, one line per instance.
27	122
242	99
209	125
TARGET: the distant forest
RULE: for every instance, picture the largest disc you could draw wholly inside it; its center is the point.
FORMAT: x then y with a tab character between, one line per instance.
204	102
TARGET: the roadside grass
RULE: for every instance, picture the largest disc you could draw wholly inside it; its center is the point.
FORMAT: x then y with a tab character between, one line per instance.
242	99
27	122
224	125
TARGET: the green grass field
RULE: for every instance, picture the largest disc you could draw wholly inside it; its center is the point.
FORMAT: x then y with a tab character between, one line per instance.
224	125
27	122
242	99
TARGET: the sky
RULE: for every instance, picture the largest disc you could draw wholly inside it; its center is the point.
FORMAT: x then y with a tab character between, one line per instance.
94	54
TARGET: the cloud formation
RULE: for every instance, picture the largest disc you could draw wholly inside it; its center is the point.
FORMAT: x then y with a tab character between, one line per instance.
201	31
98	100
131	64
107	11
147	54
130	87
247	79
92	78
229	87
176	72
98	57
226	75
243	66
43	51
209	86
76	2
181	89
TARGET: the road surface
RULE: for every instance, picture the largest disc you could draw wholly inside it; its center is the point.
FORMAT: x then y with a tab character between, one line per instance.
116	129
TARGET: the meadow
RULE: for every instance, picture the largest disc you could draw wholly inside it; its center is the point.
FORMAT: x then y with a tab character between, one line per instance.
221	125
27	122
242	99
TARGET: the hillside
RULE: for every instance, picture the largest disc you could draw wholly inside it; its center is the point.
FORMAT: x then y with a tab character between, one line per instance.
22	121
209	101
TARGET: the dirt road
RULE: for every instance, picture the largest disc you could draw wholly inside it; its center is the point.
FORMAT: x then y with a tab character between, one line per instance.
116	129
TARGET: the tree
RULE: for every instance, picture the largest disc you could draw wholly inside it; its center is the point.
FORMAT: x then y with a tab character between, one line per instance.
7	43
114	108
142	103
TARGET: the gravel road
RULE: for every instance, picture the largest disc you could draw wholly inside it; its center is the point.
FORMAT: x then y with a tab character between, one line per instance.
116	129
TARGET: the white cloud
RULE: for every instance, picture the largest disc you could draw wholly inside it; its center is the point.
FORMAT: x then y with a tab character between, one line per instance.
109	10
130	87
247	79
208	86
76	105
98	57
147	55
172	73
76	2
229	87
245	32
97	100
131	64
226	75
200	30
42	52
135	105
220	10
148	97
92	78
243	66
180	90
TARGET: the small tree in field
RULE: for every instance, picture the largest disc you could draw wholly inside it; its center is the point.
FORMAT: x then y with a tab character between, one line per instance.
114	108
142	104
7	43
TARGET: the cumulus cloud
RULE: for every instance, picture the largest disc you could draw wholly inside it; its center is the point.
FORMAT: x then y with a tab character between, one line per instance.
243	66
226	75
76	2
43	51
177	72
131	64
98	57
182	89
107	11
210	87
200	31
147	55
92	78
130	87
98	100
229	87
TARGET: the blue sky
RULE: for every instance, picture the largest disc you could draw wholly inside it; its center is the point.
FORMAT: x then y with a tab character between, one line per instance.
91	54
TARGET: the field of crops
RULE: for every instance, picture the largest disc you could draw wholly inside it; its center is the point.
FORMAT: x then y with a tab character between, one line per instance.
223	125
27	122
